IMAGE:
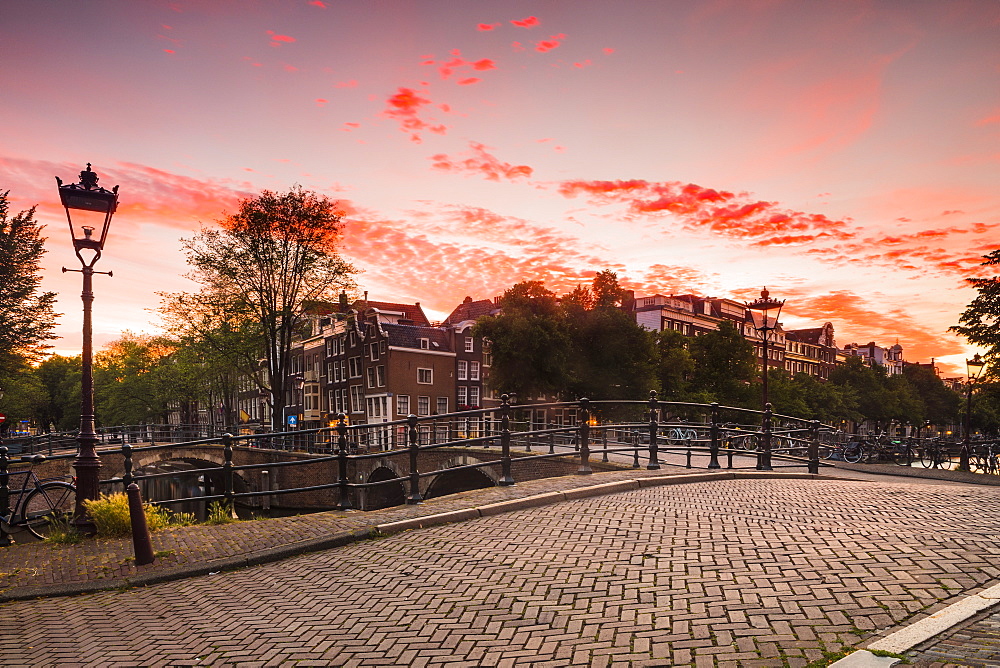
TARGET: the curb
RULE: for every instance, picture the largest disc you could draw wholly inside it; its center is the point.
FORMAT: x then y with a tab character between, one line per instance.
340	539
922	630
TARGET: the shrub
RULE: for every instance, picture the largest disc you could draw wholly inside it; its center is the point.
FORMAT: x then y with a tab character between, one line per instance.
220	512
111	516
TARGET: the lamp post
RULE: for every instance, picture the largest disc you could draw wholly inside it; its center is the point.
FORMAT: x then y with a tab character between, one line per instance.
764	324
973	368
87	196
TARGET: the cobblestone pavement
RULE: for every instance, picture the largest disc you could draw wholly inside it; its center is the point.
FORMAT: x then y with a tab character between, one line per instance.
975	643
758	572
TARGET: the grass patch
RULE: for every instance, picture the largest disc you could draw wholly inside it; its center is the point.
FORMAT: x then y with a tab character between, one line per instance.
220	512
61	532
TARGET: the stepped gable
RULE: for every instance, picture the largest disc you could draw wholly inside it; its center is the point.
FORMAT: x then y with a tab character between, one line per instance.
408	336
471	310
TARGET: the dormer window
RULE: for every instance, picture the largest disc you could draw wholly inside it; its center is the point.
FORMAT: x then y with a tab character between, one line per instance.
425	344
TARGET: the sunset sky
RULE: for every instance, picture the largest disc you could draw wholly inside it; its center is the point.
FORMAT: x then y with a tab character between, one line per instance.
845	154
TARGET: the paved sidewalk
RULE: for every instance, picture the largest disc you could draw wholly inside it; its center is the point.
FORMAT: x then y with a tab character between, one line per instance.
814	566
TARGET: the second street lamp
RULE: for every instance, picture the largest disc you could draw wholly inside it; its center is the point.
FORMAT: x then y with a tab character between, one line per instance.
764	322
97	205
973	368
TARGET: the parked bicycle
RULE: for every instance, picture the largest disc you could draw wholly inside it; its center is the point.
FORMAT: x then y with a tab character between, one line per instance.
986	458
935	455
39	504
906	453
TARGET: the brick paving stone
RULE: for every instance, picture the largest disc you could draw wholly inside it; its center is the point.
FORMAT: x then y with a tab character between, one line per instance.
745	572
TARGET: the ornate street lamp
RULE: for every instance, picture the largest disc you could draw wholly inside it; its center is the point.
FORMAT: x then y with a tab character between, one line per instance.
764	322
91	202
973	368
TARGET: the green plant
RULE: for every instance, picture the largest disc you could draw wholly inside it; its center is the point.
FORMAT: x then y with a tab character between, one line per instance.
63	533
220	512
111	516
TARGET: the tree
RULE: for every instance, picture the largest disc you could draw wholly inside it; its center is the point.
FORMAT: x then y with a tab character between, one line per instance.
612	356
674	365
26	315
260	271
60	378
725	366
529	342
980	322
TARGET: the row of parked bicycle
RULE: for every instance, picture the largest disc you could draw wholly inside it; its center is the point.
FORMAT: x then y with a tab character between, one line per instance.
933	453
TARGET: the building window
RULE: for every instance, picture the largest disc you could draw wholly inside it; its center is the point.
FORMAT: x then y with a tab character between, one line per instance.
425	376
357	399
381	376
487	359
371	376
402	404
463	395
474	371
470	344
474	396
425	344
354	364
352	339
374	351
463	370
423	405
442	405
381	346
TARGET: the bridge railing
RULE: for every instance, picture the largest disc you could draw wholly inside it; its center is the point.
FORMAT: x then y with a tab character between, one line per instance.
650	433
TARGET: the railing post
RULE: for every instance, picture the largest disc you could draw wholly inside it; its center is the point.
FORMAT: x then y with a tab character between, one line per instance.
634	437
604	442
506	480
127	477
814	447
227	470
552	443
414	445
713	448
764	454
584	437
654	461
4	495
342	481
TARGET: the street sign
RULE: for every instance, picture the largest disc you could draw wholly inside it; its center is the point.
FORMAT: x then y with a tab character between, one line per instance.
293	420
2	417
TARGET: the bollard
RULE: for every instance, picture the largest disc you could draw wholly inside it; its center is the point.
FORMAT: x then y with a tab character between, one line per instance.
604	442
141	543
764	454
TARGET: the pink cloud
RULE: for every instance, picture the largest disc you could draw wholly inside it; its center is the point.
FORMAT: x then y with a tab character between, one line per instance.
277	40
353	83
404	106
582	64
608	51
529	22
551	43
350	127
988	120
469	81
481	163
318	3
487	26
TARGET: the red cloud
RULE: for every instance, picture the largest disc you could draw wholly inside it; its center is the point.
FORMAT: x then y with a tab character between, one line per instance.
350	126
608	51
457	62
318	3
469	81
529	22
481	163
483	65
551	43
404	107
583	64
721	212
321	101
277	39
487	26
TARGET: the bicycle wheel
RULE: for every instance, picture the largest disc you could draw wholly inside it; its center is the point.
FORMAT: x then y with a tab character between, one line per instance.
928	457
51	503
904	456
853	453
749	442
